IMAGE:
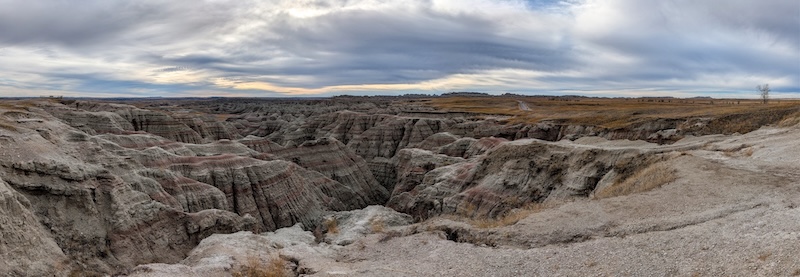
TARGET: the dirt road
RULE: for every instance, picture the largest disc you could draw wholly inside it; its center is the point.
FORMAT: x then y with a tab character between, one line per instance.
523	106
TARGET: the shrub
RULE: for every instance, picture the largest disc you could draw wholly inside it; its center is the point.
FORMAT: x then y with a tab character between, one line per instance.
331	226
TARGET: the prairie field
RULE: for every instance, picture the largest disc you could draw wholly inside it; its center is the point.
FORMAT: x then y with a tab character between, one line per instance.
618	112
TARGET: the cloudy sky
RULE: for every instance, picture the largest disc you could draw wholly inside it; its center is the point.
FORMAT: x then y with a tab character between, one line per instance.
271	48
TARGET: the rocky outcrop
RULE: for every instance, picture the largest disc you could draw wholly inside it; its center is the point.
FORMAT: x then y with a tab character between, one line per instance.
135	141
104	224
384	171
104	187
191	196
160	124
91	203
369	135
262	145
513	174
411	165
343	126
27	248
278	193
336	161
436	141
390	136
470	147
95	122
240	253
207	126
348	226
105	118
291	250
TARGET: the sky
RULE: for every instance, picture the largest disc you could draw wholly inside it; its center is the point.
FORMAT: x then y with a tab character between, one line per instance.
277	48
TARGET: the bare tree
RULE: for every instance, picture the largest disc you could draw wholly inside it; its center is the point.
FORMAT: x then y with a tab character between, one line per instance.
764	91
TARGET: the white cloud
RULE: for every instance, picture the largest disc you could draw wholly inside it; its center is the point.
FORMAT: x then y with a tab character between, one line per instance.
383	46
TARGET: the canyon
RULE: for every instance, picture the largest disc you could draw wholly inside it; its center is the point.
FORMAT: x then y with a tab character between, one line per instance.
365	186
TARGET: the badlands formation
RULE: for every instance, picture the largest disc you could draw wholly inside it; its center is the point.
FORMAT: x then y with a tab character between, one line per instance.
399	186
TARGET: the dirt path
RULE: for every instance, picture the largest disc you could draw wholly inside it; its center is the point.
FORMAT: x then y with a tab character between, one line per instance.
523	106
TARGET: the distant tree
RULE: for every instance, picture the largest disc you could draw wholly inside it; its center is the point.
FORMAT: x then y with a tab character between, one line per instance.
764	91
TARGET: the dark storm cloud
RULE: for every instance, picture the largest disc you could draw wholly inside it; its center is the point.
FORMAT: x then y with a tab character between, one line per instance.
105	23
682	39
437	43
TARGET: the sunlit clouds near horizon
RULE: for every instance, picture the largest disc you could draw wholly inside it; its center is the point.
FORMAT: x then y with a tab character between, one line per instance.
681	48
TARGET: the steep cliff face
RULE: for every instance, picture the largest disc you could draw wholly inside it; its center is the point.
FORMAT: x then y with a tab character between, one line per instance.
103	223
182	126
191	196
411	165
104	118
470	147
95	122
207	126
155	193
90	201
386	139
160	124
278	193
28	248
339	163
369	135
436	141
343	126
513	174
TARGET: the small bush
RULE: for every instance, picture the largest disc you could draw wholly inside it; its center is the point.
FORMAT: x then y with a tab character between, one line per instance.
331	226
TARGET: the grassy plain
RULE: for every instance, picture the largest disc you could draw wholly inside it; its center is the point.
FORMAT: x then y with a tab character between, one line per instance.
618	112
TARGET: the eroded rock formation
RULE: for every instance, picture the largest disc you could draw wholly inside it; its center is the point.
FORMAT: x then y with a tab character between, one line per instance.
99	188
508	176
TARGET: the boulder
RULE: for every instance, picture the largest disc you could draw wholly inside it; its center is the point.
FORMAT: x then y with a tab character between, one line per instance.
348	226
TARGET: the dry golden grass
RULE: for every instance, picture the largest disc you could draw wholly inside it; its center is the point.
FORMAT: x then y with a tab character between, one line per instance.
22	105
791	120
512	217
377	225
481	105
8	109
331	226
741	150
4	124
276	267
613	112
654	176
